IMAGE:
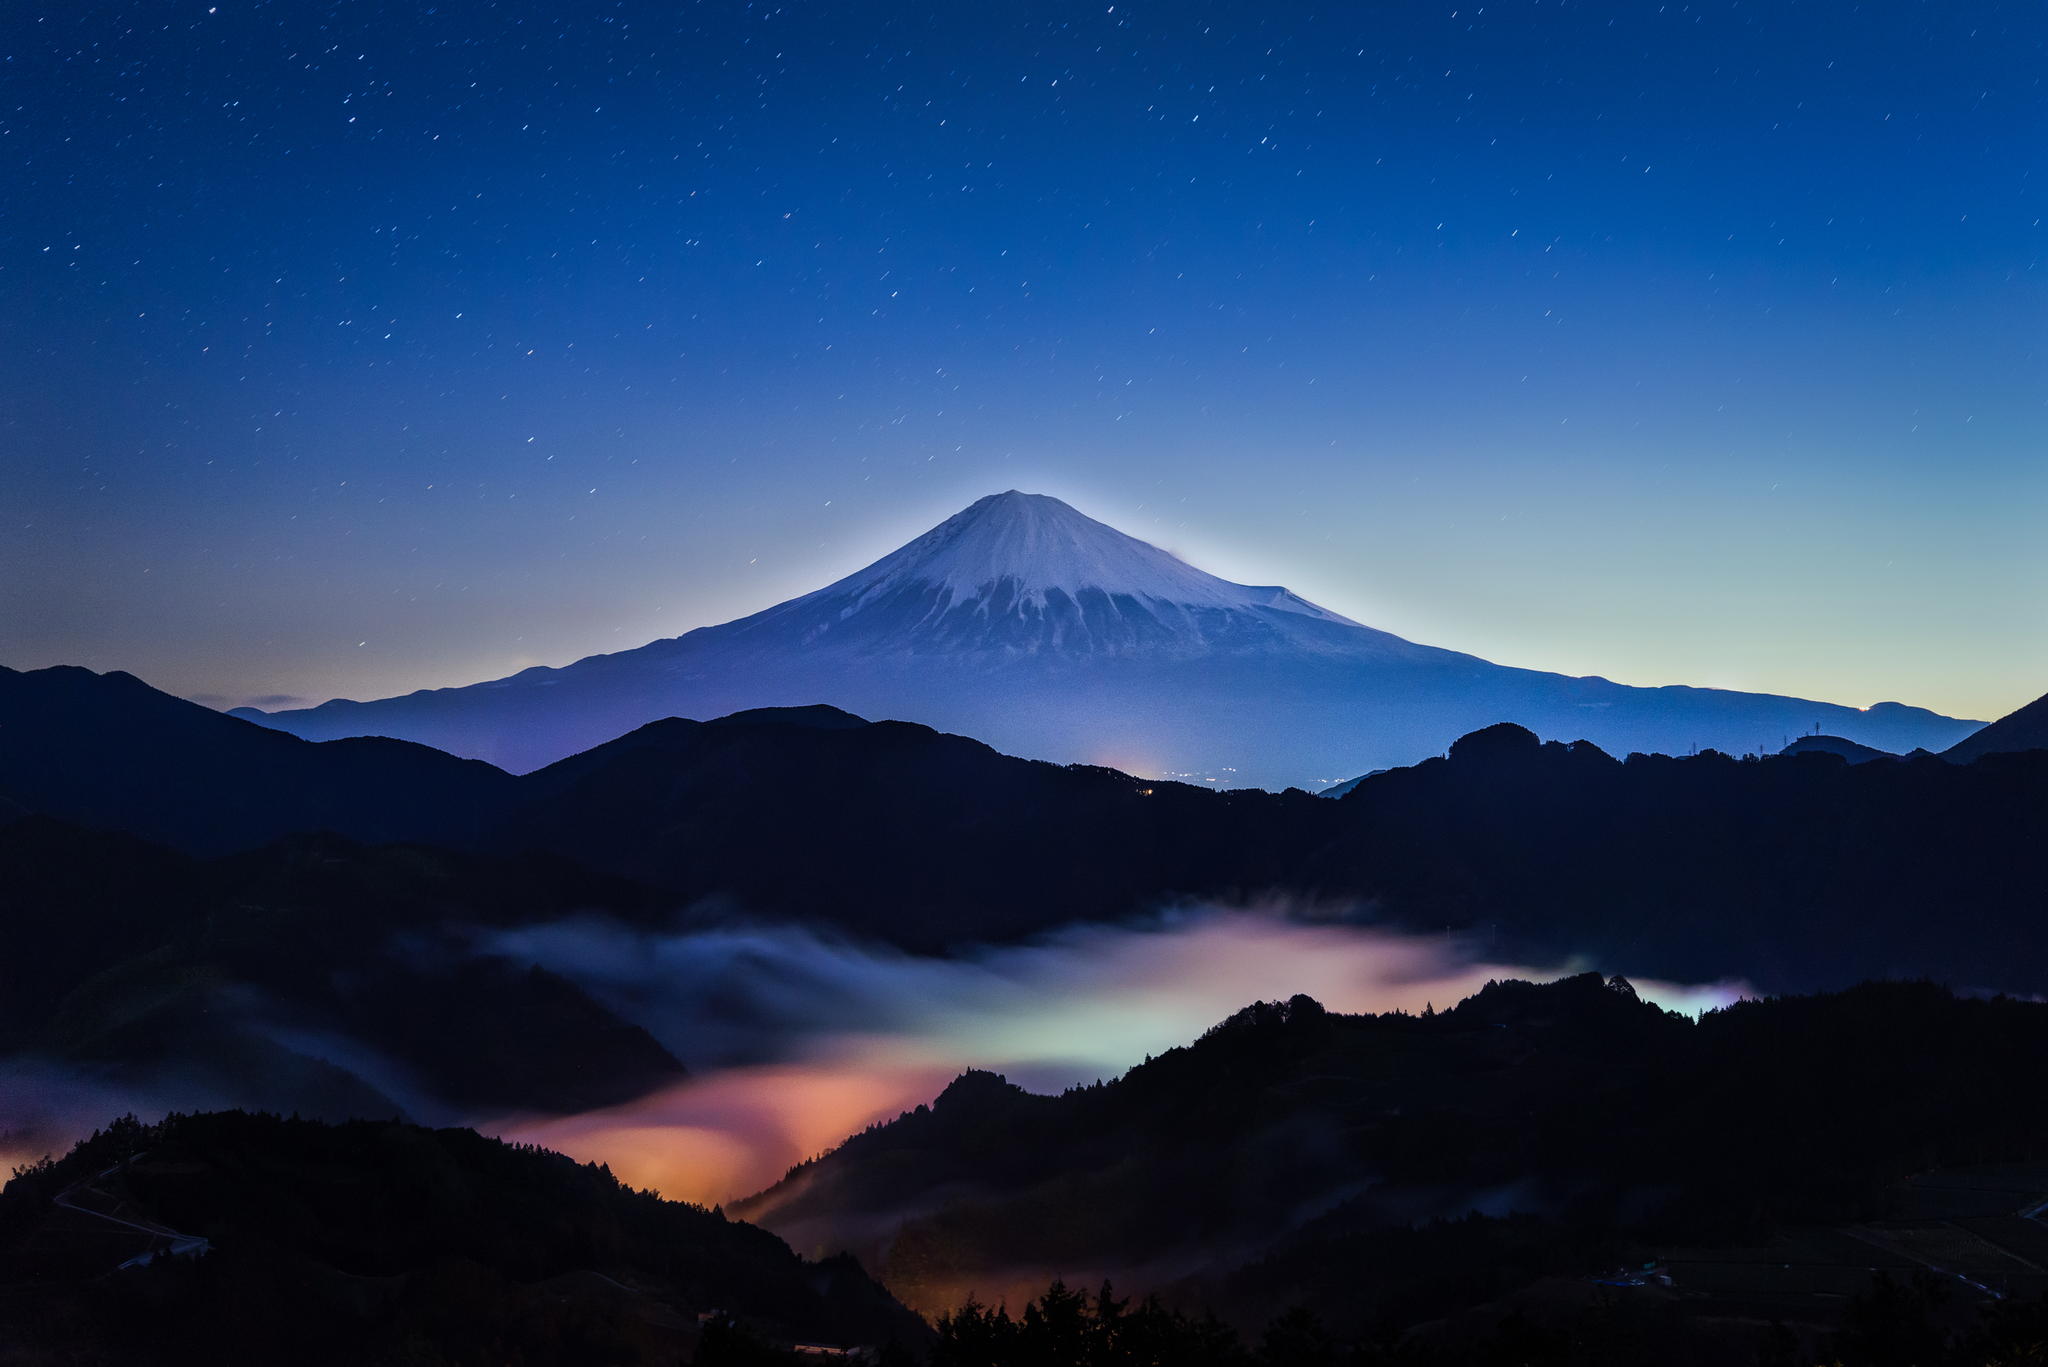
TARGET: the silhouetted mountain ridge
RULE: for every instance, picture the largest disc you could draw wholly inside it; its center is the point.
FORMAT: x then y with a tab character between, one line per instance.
1793	872
2021	730
1836	745
385	1242
109	750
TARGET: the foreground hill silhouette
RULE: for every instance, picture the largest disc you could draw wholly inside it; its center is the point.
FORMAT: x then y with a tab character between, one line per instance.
1835	745
1292	1156
2026	729
1847	1179
378	1242
108	750
1023	622
1296	1157
1792	873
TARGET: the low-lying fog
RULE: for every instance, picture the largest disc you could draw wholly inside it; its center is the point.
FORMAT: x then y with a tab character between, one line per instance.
798	1042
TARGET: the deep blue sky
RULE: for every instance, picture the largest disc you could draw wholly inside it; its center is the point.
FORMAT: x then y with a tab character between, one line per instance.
352	348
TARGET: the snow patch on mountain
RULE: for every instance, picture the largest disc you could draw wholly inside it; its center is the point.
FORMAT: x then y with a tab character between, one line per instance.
1021	549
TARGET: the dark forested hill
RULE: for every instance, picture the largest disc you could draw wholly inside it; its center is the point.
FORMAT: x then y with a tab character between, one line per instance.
378	1242
108	750
898	831
1295	1155
1835	745
1790	872
2022	730
886	828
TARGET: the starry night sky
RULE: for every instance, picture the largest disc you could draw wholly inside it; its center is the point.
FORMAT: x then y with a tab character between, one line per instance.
354	348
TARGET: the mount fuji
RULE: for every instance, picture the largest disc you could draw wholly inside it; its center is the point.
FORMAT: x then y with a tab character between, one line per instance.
1045	633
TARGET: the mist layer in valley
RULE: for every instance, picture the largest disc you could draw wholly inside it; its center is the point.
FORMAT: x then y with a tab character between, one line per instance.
794	1040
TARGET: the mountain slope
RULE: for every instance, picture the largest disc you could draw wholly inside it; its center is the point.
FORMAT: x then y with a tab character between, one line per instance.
1045	633
381	1242
1789	872
108	750
1573	1102
1836	745
2025	729
896	831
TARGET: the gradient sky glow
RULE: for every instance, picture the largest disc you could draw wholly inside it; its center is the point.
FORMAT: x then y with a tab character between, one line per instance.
351	348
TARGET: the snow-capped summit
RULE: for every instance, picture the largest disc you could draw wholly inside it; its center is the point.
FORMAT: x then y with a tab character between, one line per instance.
1029	551
1018	573
1024	623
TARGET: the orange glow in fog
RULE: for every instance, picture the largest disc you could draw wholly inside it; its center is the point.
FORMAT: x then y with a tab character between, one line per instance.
735	1132
1083	1004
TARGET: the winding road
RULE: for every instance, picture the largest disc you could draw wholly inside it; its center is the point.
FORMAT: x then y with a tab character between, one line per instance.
168	1240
